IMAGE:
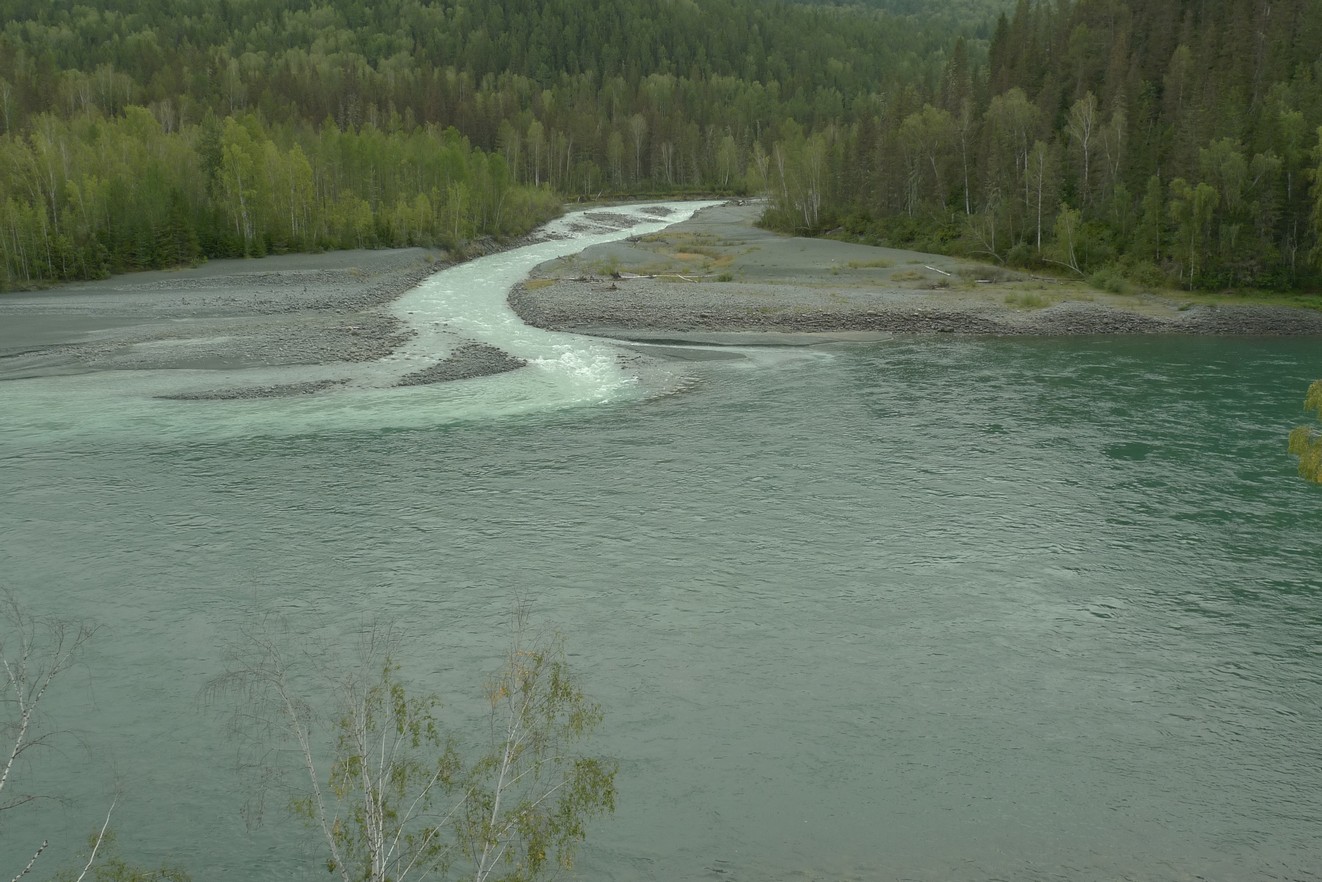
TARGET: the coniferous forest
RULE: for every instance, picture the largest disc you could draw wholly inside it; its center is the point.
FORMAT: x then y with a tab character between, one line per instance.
1163	142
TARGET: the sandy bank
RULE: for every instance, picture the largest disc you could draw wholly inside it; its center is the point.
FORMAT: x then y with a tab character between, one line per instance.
717	278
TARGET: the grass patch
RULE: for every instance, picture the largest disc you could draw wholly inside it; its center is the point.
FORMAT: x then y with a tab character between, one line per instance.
607	267
1247	297
537	284
691	249
710	257
690	241
652	269
1027	300
880	263
908	276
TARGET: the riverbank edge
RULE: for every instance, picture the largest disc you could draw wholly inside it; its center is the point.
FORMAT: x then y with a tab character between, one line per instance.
276	311
325	309
654	311
720	278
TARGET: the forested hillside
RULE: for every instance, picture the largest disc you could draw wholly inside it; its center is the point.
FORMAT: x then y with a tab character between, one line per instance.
140	133
1172	139
1154	140
962	14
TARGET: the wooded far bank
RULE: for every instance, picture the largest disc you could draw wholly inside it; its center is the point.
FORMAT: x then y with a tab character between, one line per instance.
1134	142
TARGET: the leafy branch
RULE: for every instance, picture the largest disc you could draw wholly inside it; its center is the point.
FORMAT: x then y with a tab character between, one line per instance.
383	781
1306	441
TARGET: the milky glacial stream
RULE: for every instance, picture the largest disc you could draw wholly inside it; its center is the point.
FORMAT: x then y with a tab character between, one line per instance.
464	303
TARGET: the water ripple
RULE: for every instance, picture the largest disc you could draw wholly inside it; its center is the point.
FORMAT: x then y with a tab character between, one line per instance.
957	611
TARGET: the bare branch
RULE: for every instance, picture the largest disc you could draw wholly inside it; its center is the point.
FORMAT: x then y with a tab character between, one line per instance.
398	803
32	863
33	653
96	845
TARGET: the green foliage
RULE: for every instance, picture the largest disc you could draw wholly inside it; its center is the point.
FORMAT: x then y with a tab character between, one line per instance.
1069	238
1079	104
1111	278
109	866
1191	209
123	194
137	135
1027	300
248	129
1317	202
530	795
1306	441
391	766
400	798
1147	275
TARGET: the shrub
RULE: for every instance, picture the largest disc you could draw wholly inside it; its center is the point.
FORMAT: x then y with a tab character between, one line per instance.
1111	278
1027	300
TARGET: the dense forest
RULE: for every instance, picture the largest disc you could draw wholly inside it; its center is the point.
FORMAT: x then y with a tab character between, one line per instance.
145	133
1170	141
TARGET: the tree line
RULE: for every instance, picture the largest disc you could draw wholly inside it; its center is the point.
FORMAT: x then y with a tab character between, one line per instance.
93	194
145	133
1164	142
1127	140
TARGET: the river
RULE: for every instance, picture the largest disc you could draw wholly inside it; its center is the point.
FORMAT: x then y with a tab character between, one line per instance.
918	609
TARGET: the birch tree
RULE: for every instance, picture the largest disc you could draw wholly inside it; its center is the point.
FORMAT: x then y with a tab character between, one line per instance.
1316	174
385	785
1081	123
1192	208
34	653
1012	121
926	137
1040	183
237	180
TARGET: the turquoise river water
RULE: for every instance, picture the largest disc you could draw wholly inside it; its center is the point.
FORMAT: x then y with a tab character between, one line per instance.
918	609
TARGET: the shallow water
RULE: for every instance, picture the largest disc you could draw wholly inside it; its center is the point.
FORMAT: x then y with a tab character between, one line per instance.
912	610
